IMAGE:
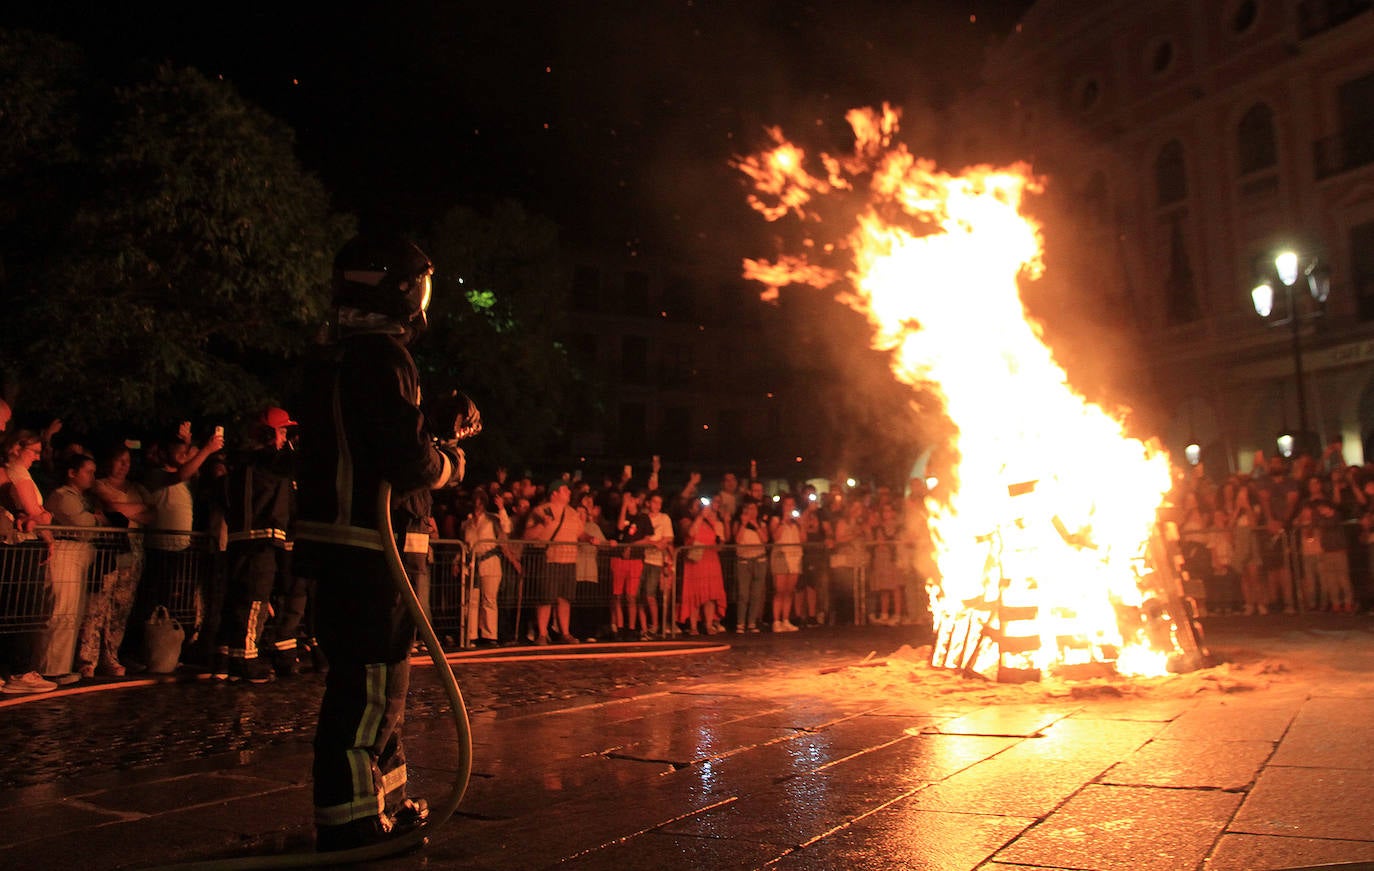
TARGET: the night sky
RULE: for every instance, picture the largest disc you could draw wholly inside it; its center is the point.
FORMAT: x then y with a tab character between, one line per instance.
616	118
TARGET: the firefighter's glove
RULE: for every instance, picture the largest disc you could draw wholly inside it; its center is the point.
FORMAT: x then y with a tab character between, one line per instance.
453	417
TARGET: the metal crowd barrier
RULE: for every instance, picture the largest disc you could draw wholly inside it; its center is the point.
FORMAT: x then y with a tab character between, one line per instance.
47	576
46	579
523	568
1206	551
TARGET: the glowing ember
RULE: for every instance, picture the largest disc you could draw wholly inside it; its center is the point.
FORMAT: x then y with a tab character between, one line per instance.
1042	525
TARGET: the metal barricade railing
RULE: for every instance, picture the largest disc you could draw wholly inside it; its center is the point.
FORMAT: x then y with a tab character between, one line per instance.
1285	577
37	574
850	585
46	577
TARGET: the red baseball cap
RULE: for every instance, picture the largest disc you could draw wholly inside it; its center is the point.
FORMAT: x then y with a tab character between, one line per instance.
277	417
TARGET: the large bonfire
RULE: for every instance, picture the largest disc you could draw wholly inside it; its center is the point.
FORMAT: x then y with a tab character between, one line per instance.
1042	529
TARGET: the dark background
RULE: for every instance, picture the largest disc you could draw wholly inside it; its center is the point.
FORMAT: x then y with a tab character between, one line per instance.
615	118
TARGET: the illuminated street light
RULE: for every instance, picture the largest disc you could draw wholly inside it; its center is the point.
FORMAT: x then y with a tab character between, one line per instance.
1287	267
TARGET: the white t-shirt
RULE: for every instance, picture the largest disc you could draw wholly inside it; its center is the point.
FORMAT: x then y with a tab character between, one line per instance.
663	531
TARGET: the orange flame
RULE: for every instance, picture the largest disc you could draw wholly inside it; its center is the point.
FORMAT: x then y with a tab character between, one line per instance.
1040	536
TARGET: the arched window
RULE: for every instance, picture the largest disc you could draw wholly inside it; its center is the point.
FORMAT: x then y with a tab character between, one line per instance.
1171	177
1256	143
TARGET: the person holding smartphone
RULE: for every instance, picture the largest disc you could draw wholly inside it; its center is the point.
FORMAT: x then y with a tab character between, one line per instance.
703	583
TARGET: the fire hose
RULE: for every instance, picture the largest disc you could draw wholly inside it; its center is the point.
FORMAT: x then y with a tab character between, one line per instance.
443	810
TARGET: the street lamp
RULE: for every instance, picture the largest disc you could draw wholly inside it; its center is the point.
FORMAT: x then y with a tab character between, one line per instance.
1287	268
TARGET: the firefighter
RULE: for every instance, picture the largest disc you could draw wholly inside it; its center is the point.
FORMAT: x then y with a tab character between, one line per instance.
258	504
362	424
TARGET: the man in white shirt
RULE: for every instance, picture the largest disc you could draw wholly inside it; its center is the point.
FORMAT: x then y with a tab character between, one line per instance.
656	553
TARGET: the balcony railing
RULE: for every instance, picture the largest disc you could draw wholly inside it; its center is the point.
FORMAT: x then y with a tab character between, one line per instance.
1353	147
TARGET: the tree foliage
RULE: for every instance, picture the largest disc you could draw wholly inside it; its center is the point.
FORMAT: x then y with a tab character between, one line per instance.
191	257
499	299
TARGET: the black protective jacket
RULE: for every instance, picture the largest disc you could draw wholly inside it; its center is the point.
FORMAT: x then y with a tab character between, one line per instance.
360	424
258	500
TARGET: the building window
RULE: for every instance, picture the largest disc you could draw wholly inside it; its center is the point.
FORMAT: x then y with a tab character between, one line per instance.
1180	291
1096	206
636	293
1089	95
582	351
634	359
675	438
730	429
1161	56
1362	268
1353	145
676	365
586	289
633	433
1256	144
1171	176
1243	16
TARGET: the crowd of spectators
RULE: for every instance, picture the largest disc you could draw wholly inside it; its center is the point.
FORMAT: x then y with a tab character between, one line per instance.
626	559
691	559
621	559
1294	535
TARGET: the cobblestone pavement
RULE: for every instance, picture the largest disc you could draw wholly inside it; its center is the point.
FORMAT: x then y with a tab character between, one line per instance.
836	748
192	719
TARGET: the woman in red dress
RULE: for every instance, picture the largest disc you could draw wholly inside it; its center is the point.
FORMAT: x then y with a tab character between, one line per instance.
703	584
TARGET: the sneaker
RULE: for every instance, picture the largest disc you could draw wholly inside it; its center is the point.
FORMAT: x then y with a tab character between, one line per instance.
256	670
565	638
739	628
23	684
754	627
789	626
110	668
777	626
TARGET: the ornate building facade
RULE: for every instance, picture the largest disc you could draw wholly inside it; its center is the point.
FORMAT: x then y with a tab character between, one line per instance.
1185	145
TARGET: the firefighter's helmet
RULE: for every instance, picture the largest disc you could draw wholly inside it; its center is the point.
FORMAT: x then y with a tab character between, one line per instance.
384	274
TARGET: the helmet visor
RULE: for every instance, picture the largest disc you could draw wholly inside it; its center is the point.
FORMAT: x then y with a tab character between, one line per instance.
426	289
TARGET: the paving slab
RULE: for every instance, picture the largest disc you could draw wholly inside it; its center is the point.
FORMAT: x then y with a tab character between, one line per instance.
798	809
1309	803
1015	721
1269	853
659	850
901	836
1330	733
1084	739
1133	709
1235	718
1230	765
1128	828
107	846
1006	786
180	793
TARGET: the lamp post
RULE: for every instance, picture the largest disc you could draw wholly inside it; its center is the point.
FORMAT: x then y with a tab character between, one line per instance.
1286	269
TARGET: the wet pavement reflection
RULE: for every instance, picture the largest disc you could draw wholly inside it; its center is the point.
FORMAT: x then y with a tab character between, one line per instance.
772	753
